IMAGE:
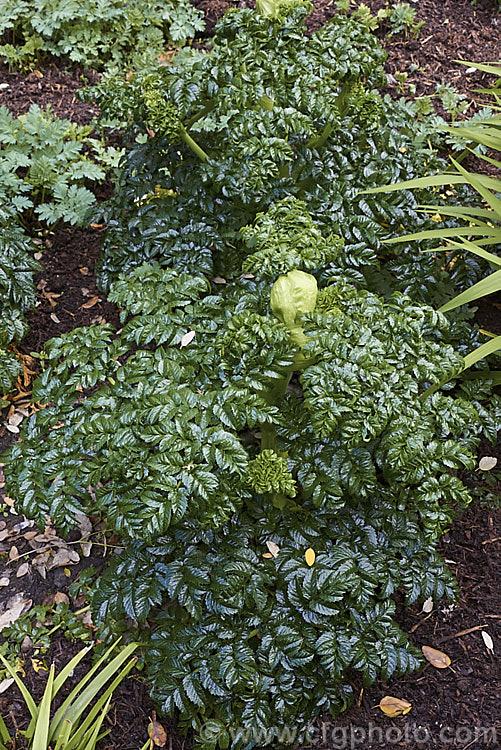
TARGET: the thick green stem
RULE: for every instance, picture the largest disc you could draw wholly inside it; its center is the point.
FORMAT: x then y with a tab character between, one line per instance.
205	111
186	137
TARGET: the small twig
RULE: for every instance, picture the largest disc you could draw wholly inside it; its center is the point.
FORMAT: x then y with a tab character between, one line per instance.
418	624
489	541
463	632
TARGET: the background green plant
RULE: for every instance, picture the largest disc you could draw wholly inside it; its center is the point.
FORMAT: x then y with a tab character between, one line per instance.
480	226
46	163
106	33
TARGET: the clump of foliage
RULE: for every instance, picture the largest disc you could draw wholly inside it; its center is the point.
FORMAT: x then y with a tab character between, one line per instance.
290	408
95	34
480	224
268	113
77	722
271	392
45	164
17	295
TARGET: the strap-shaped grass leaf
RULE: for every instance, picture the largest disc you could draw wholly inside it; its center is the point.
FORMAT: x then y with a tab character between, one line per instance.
430	234
491	183
28	698
476	355
477	182
77	740
63	736
487	286
40	738
472	247
79	703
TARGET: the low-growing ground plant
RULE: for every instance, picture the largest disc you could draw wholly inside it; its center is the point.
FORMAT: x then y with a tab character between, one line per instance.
110	34
46	164
275	467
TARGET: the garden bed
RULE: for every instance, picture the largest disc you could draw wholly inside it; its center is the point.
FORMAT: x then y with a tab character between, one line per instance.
450	707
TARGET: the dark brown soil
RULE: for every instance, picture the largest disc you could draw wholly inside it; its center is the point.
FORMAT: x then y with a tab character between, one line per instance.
451	707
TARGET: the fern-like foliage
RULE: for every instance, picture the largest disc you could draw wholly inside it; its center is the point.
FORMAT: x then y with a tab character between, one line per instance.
44	168
110	34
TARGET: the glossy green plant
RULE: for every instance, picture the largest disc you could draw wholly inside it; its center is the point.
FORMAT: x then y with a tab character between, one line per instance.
70	727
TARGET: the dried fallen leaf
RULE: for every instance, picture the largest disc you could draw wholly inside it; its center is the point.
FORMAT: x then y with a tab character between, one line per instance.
38	666
16	606
12	428
489	643
157	733
487	463
84	271
15	419
38	73
187	338
394	706
22	570
5	684
91	302
63	556
61	598
54	318
4	581
437	658
14	553
268	555
219	280
309	556
273	548
428	605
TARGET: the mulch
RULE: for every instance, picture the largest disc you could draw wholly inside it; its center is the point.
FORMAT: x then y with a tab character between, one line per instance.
454	707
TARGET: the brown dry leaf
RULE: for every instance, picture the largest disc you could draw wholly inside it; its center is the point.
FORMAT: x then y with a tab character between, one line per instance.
63	556
37	73
30	535
90	302
309	556
61	598
12	428
22	570
428	605
268	555
51	296
436	658
392	706
219	280
14	553
84	271
16	606
8	501
157	733
54	318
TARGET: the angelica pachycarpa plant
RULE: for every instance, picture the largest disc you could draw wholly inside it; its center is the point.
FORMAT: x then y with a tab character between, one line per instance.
289	411
17	294
269	112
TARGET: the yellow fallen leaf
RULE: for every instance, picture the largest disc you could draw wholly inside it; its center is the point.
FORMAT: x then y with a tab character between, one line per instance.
268	555
38	666
157	733
436	658
392	706
309	556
